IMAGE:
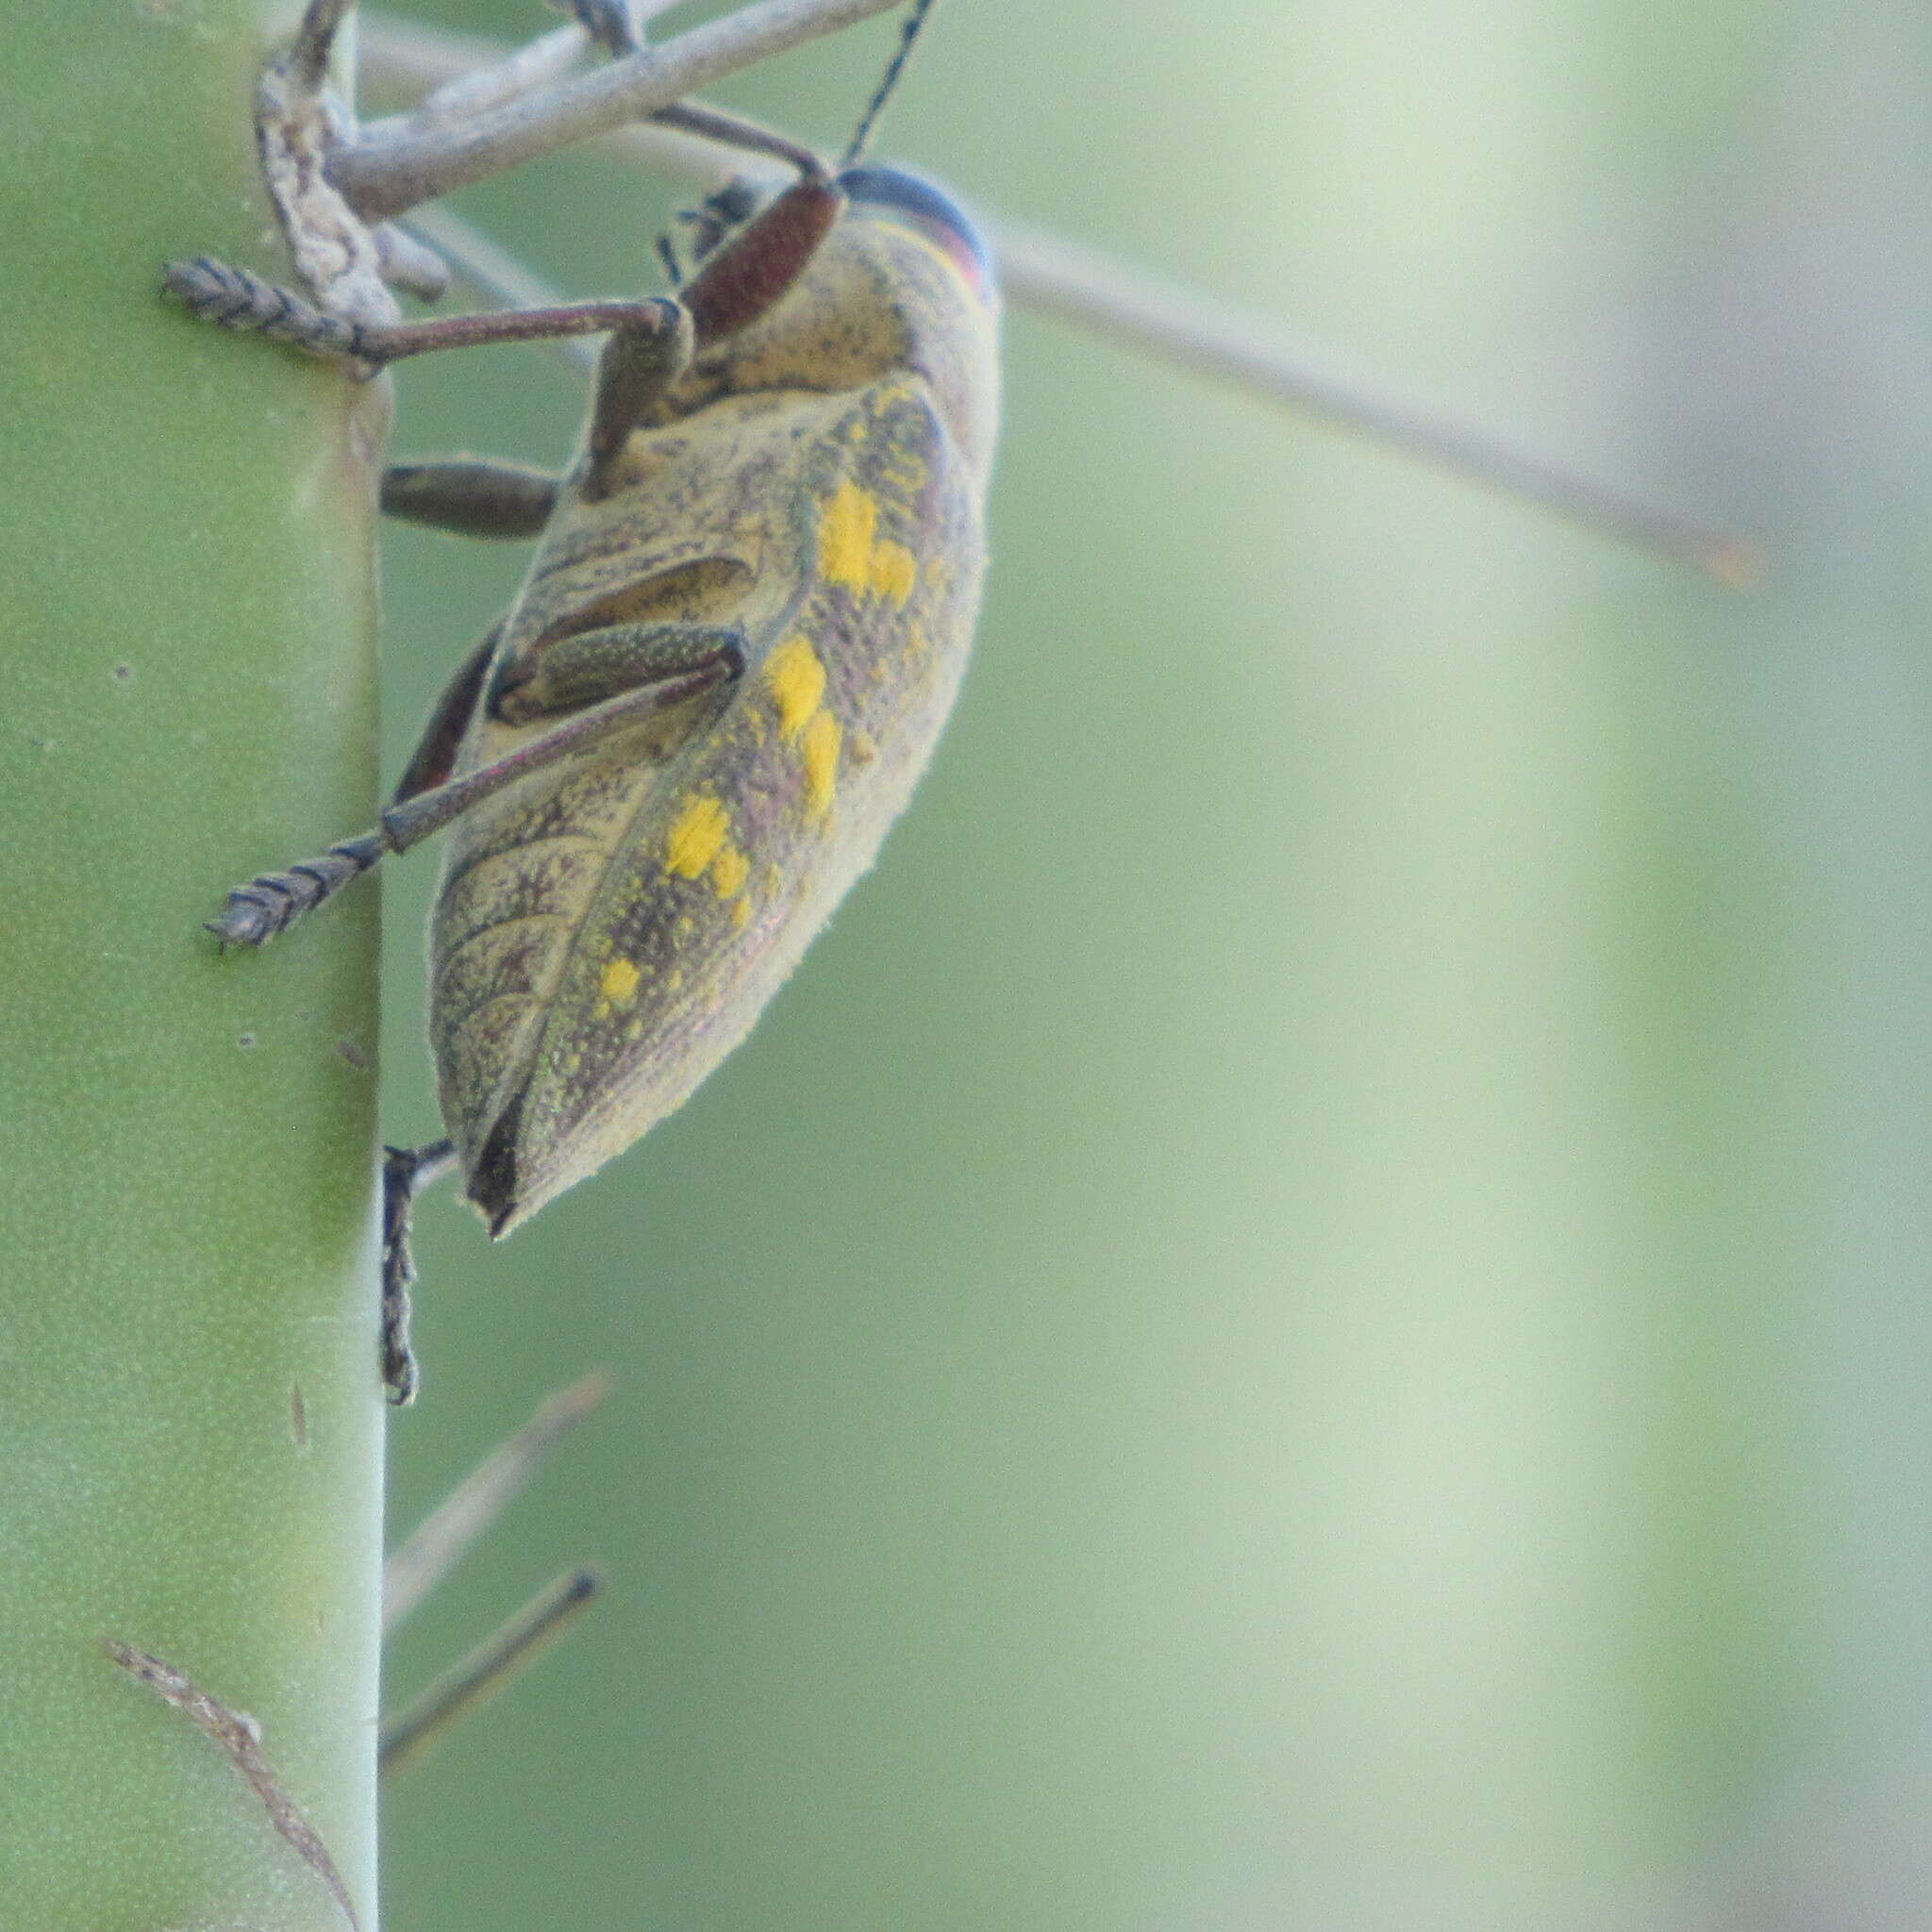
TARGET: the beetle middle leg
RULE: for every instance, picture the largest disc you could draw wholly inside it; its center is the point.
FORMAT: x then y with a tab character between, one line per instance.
475	498
471	497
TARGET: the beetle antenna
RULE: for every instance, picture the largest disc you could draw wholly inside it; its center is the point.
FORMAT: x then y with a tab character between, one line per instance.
862	135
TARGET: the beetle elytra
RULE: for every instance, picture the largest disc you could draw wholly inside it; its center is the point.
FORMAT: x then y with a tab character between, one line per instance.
736	645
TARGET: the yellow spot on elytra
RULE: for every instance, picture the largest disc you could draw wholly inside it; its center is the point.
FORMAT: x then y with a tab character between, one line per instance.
863	748
846	536
740	914
774	881
797	679
696	837
619	982
821	737
729	871
852	552
893	571
675	978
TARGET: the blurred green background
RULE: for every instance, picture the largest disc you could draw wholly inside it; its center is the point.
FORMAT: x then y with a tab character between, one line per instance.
1311	1311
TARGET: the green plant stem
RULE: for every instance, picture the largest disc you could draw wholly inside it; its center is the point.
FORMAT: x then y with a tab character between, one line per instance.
190	1421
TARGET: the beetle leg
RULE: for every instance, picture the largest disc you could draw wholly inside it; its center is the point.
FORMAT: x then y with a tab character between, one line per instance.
234	298
596	665
435	757
753	269
471	497
637	365
406	1173
256	912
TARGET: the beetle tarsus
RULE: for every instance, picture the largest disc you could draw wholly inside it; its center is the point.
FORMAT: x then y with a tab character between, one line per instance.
233	298
273	901
253	914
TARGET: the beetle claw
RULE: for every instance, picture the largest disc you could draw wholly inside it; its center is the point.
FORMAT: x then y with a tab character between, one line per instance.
249	919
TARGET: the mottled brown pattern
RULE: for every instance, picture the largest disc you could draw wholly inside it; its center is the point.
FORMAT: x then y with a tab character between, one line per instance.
876	376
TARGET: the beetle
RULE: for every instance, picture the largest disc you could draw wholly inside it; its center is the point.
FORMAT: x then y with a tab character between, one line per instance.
739	638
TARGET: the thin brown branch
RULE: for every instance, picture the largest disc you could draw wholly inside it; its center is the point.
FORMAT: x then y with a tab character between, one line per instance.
1047	272
389	169
453	1527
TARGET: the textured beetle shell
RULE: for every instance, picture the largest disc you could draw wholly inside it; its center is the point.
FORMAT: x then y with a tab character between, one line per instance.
608	928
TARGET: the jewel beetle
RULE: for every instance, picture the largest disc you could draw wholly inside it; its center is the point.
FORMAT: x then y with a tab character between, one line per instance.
744	623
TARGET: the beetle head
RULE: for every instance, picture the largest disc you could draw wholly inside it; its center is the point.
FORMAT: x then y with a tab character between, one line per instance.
900	280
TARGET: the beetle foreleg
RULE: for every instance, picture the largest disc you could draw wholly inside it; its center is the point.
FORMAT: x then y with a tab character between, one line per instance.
744	276
406	1173
234	298
637	365
651	317
471	497
272	901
